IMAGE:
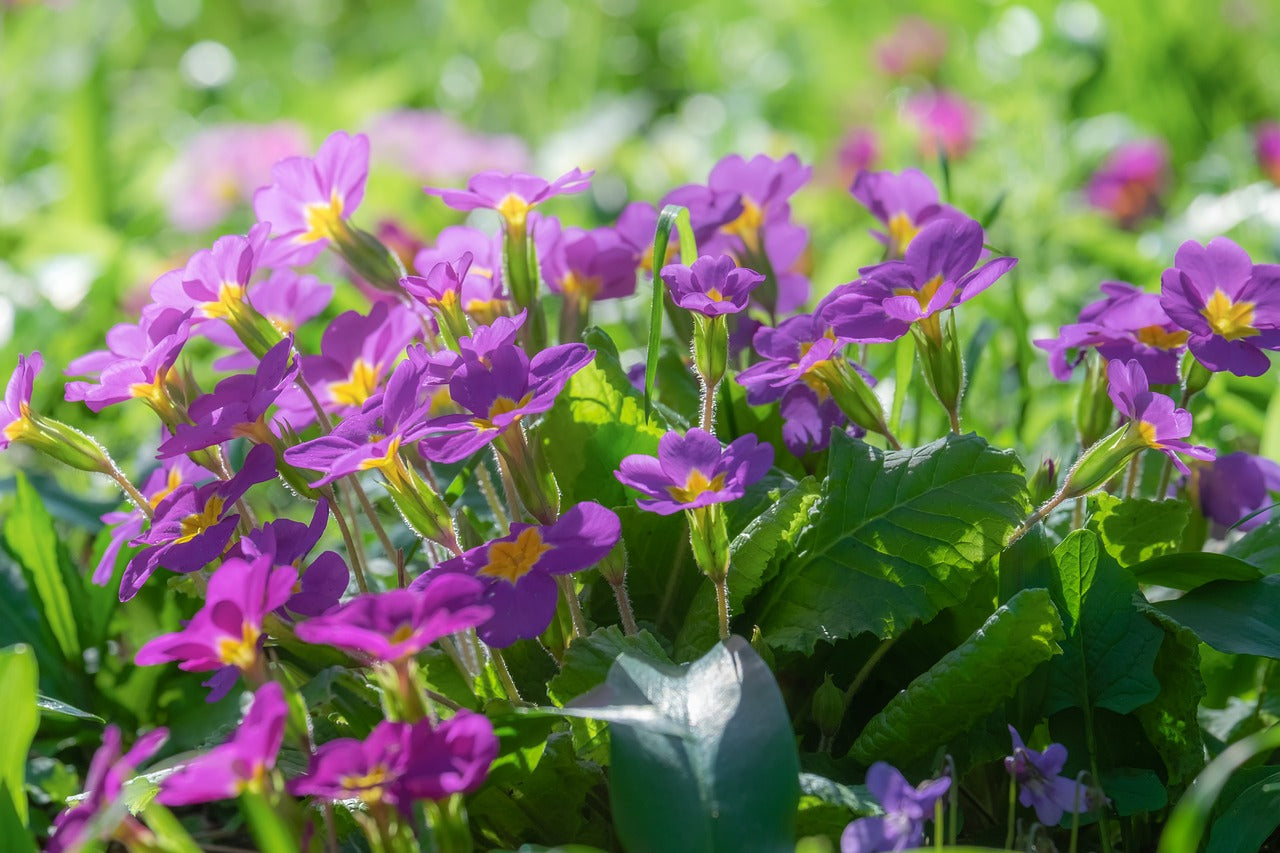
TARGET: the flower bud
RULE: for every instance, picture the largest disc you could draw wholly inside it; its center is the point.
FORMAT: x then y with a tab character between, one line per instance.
828	708
1043	483
613	568
62	442
1103	460
942	363
1195	376
853	395
368	257
760	647
710	347
709	536
1094	409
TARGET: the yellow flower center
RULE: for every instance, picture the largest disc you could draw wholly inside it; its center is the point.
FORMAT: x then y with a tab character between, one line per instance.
324	221
695	485
1231	320
715	295
197	523
485	311
925	294
511	561
580	286
358	387
1148	432
230	298
390	463
257	781
17	428
172	482
501	406
404	632
901	232
514	210
1160	338
240	651
747	226
367	786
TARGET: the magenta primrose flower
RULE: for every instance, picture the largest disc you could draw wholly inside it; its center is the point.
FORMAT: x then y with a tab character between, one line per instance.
137	363
518	570
288	542
1233	488
482	295
936	274
947	122
441	288
1229	305
1266	144
586	265
498	394
859	149
193	525
1129	183
512	195
389	626
310	199
16	409
904	203
127	525
213	283
906	809
916	46
226	633
711	286
399	763
1158	422
287	299
1040	786
103	785
241	764
788	354
1127	323
693	470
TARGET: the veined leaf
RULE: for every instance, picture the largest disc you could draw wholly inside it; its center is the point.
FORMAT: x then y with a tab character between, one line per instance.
1135	530
895	538
1233	617
969	682
1171	721
1193	569
587	661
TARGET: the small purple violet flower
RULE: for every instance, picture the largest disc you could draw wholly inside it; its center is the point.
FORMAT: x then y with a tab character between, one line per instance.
511	195
127	525
1040	786
1156	420
389	626
286	542
103	785
906	809
1230	305
518	570
241	764
694	470
1234	487
482	296
711	286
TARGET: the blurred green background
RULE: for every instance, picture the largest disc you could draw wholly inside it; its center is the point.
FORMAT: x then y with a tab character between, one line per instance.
99	98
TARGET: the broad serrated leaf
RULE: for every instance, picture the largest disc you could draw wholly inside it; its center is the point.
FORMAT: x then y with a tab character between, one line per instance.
30	537
1111	647
1133	530
895	538
754	555
1171	720
969	681
1233	617
718	765
587	661
597	420
19	720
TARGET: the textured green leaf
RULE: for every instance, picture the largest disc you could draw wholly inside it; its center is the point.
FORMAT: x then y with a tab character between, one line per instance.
1193	569
969	682
826	807
1111	647
597	420
1171	721
754	556
30	537
1134	530
1233	617
18	720
717	768
895	538
587	661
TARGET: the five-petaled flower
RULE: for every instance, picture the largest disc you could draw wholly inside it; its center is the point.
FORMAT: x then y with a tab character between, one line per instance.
694	470
1153	418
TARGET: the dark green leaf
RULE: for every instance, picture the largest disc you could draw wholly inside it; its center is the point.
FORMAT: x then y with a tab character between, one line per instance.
587	661
1136	530
1249	819
13	827
18	720
719	765
1111	647
1190	570
1133	791
1171	721
1260	546
895	538
1238	617
969	682
754	555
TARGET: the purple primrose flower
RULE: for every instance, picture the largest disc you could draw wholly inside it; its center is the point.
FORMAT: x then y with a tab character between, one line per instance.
512	195
15	411
904	203
241	764
1234	487
127	525
1129	183
694	470
137	363
399	623
286	542
518	570
1157	421
906	808
793	352
1230	305
585	265
1040	786
482	295
711	286
287	299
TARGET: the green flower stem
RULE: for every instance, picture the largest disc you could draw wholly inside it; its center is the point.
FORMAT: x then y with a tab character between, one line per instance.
1009	833
865	671
575	607
504	675
356	551
625	612
485	482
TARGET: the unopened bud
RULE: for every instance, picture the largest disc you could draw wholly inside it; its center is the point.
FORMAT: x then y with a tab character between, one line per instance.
1094	410
828	708
1043	483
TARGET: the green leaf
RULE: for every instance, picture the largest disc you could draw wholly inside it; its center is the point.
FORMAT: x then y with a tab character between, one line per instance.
754	557
1190	570
1111	647
716	767
826	807
969	682
1237	617
172	836
48	705
271	833
672	215
1133	791
1249	819
30	537
18	720
895	538
1171	722
1136	530
597	420
587	661
13	827
1260	546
